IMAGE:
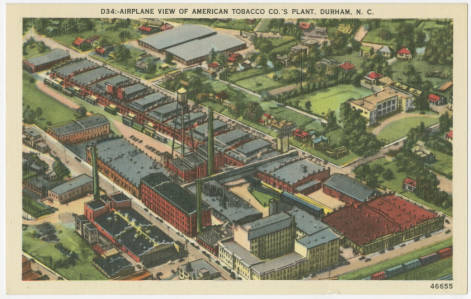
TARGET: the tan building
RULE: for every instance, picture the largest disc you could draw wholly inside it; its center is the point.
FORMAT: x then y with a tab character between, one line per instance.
72	189
382	103
268	237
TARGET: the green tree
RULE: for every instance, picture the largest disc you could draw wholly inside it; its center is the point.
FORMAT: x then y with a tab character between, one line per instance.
168	57
446	122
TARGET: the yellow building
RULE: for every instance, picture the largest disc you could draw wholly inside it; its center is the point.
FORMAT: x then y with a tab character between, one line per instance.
382	103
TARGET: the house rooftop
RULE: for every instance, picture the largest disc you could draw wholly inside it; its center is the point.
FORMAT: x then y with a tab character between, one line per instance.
370	102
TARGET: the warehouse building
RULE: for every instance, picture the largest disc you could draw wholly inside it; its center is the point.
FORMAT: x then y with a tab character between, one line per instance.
189	120
130	232
173	203
80	130
348	190
174	37
89	77
197	270
113	266
232	138
124	164
48	60
249	151
210	237
76	66
72	189
165	112
131	92
201	132
294	174
38	185
382	223
196	51
149	102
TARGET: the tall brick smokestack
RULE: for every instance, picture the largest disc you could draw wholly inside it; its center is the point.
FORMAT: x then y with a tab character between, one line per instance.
96	183
210	142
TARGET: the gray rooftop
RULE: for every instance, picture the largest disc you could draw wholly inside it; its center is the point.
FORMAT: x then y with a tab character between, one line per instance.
188	119
177	35
148	101
85	123
200	265
318	238
133	89
278	263
267	225
113	81
202	47
296	171
350	187
164	112
231	137
253	146
72	184
243	254
202	130
127	160
32	132
306	222
89	77
54	55
272	166
75	66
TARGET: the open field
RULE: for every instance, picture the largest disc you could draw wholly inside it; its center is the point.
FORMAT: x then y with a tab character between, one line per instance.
422	67
330	98
364	272
47	254
396	185
428	272
401	127
259	83
52	111
246	74
443	165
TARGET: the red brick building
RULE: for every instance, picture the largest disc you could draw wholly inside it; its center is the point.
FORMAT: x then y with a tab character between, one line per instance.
81	130
48	60
173	203
348	190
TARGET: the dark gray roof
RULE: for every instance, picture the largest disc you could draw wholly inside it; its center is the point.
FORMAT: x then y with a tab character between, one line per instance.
72	184
177	35
268	225
74	66
202	130
127	160
350	187
177	195
307	185
253	146
272	166
89	122
278	263
232	137
113	81
241	253
95	204
133	89
148	101
164	112
54	55
306	222
189	119
294	172
202	47
89	77
318	238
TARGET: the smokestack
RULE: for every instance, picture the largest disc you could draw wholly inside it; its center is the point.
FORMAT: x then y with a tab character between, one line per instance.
198	205
210	142
96	184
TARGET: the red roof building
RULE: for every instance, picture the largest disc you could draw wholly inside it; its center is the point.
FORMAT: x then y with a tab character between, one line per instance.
78	41
100	50
374	75
449	135
433	98
409	184
213	64
347	66
166	27
144	28
404	53
234	57
304	25
382	223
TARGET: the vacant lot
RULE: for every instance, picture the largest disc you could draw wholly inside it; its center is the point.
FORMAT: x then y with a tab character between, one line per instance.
395	184
401	127
52	111
330	98
432	271
395	261
49	255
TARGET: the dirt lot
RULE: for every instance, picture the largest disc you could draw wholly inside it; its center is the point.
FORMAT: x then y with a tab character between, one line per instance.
326	200
56	95
243	192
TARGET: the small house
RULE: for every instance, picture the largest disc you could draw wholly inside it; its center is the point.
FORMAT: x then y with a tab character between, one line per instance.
404	53
409	184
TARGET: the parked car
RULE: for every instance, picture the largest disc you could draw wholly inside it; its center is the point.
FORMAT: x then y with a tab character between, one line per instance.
367	260
361	258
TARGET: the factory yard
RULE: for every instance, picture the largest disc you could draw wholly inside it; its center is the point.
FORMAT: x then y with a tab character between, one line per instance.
242	191
329	201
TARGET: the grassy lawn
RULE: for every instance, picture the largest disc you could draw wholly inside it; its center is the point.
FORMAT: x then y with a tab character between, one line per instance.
246	74
443	165
32	50
396	185
339	162
129	65
373	36
102	28
259	83
264	25
432	271
401	127
299	119
47	253
364	272
422	66
330	98
52	110
262	198
35	208
354	58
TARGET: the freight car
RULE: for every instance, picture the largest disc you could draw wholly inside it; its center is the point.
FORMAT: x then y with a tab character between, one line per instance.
378	276
428	259
393	271
412	264
445	252
293	199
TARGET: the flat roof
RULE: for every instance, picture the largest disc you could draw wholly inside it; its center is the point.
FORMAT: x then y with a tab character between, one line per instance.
95	204
177	35
92	76
306	222
148	101
133	89
73	66
253	146
202	129
370	102
202	47
72	184
199	265
52	56
242	253
296	171
350	187
318	238
231	137
127	160
278	263
267	225
32	132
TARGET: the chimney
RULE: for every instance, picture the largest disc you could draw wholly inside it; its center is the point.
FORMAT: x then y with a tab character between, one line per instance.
210	142
96	185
